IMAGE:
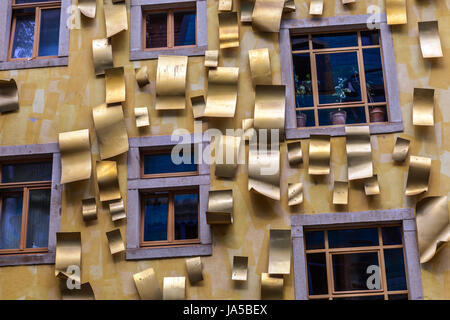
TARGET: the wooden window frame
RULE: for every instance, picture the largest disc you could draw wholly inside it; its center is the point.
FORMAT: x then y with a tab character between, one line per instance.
329	252
39	6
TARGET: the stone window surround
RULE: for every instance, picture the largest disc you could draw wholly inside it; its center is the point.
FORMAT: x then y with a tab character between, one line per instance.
136	184
356	22
136	29
63	51
405	216
30	151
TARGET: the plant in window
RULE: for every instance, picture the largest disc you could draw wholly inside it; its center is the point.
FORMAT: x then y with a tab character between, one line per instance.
303	89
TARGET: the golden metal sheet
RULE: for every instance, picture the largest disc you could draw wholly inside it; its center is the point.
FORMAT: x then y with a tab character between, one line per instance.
147	285
174	288
220	207
259	60
115	241
171	83
108	184
396	12
198	106
227	155
418	175
295	194
270	105
142	76
142	118
89	209
84	293
430	43
211	58
280	252
222	92
289	6
111	130
240	268
295	156
267	14
348	1
433	226
340	193
423	107
225	5
116	18
9	96
319	155
68	253
228	30
316	7
371	186
194	269
264	171
102	55
359	152
88	8
271	287
117	210
247	10
76	161
401	149
248	129
115	85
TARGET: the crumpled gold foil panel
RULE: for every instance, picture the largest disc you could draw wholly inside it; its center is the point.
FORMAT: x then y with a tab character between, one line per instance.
198	106
359	152
396	12
271	287
227	155
260	68
247	10
316	7
267	14
401	149
433	226
225	5
102	55
108	184
111	130
84	293
340	193
295	156
117	210
9	96
280	252
88	8
174	288
423	107
89	209
240	268
295	193
116	18
228	30
76	161
319	155
418	175
220	207
289	6
371	186
68	252
211	58
270	105
115	85
171	83
348	1
261	176
142	118
430	43
222	92
147	285
194	269
142	76
115	241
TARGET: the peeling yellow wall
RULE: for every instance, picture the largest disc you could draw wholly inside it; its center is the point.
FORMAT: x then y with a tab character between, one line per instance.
54	100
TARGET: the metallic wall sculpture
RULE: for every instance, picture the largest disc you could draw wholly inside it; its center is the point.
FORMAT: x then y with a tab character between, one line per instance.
348	1
228	30
222	92
247	10
295	156
115	241
295	193
430	43
174	288
142	76
115	85
220	207
116	18
248	129
340	193
371	186
84	293
68	253
264	171
280	252
9	96
423	107
319	155
271	287
111	131
240	268
142	118
198	106
289	6
227	155
117	210
396	12
194	269
418	175
171	82
102	55
147	285
260	69
401	149
270	103
316	7
266	15
108	184
211	58
76	161
89	209
433	226
225	5
359	152
88	8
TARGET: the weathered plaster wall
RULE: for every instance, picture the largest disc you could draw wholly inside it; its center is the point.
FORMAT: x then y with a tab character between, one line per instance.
60	99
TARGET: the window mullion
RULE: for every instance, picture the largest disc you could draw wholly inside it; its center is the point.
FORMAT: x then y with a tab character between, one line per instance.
171	219
382	265
328	263
23	229
37	25
362	78
170	29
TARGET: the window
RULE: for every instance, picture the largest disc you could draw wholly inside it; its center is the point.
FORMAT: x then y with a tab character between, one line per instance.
157	162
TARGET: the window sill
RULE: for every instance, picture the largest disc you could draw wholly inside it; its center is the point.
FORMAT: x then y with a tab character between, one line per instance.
169	252
27	259
153	54
31	64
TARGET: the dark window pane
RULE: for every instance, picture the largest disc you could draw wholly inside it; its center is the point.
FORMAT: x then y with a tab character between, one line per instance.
370	38
317	273
335	40
379	297
378	114
338	77
398	297
156	30
49	34
302	80
314	240
391	235
341	116
156	216
350	270
186	216
11	221
374	75
184	24
162	163
38	218
305	118
395	269
23	36
353	238
300	43
26	172
30	1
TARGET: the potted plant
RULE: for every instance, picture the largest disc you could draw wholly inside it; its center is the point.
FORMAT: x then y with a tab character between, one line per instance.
301	119
303	90
377	114
338	117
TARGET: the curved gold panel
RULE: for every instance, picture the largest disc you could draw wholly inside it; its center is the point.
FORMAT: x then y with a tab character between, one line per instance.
271	287
295	194
348	1
247	10
194	269
280	252
401	149
147	285
240	268
220	207
371	186
198	106
433	226
76	161
396	12
423	107
84	293
319	155
228	30
115	241
171	82
222	92
116	18
259	60
102	55
294	153
110	129
264	171
89	209
359	152
266	15
289	6
142	118
115	85
430	43
88	8
316	7
174	288
226	156
248	129
340	193
9	96
117	210
225	5
270	105
142	76
68	252
108	184
418	175
211	58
